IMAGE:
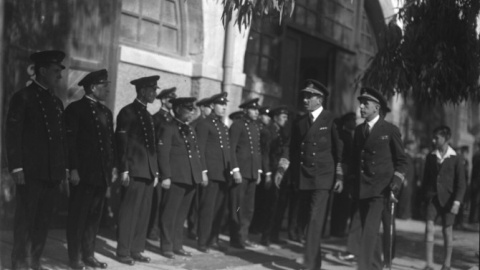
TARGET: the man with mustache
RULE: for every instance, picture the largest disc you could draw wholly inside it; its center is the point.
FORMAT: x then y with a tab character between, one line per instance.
37	157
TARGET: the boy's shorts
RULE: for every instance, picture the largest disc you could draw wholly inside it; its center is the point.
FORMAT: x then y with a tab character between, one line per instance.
434	210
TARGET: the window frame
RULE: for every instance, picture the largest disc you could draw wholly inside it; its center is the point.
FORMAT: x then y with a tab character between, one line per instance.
139	17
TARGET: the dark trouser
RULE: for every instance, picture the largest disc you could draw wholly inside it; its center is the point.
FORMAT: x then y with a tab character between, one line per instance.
405	201
210	212
261	207
192	219
277	204
355	231
474	203
34	208
133	216
293	212
340	213
85	208
372	212
315	202
242	202
153	222
176	202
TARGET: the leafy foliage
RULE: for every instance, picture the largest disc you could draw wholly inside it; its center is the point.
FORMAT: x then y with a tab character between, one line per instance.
436	59
244	10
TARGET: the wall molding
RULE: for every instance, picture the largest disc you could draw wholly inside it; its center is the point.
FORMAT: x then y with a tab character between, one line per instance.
178	66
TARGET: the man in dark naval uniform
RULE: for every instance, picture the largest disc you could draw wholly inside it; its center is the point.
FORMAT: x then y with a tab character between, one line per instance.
276	195
181	169
192	220
380	163
91	161
205	110
214	147
163	116
37	157
138	168
261	204
316	156
246	164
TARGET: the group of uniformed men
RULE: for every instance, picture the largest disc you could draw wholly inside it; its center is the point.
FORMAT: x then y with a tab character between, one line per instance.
168	164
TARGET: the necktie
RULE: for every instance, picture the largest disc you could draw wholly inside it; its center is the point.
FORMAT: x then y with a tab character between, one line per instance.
366	130
310	118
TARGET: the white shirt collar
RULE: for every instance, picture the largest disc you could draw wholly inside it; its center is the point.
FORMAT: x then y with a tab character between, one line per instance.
450	152
39	84
316	113
372	122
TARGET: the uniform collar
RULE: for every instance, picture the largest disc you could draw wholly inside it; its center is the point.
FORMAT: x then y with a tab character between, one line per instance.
276	126
39	84
180	121
92	99
450	152
372	122
316	113
145	105
164	110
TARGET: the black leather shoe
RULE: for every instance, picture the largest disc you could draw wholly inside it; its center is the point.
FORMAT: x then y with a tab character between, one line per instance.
237	245
38	267
265	241
78	265
183	252
140	258
277	241
93	262
153	236
192	236
168	254
126	260
250	244
203	249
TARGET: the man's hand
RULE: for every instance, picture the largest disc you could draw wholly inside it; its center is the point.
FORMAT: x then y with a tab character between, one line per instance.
455	207
259	178
204	182
166	183
125	179
338	186
19	178
395	185
268	181
74	177
278	179
114	175
237	177
155	181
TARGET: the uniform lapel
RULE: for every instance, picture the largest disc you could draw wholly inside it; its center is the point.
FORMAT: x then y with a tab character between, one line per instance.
303	125
316	124
375	131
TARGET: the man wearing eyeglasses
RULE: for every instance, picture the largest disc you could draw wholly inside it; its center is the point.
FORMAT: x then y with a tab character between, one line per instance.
91	161
316	156
181	170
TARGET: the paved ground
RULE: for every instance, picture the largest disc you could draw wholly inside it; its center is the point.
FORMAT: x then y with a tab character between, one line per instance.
409	253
